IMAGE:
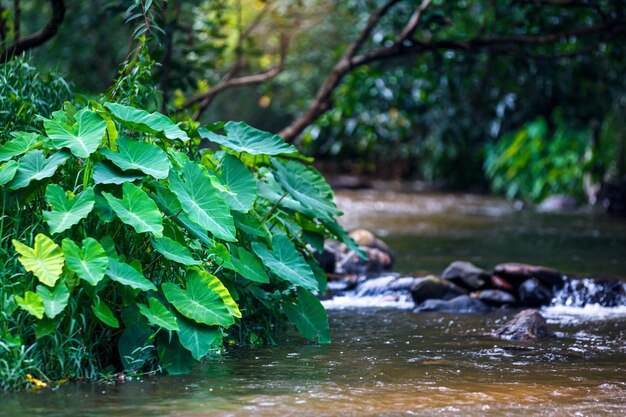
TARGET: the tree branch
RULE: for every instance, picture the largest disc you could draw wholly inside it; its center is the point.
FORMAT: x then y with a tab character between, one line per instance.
21	44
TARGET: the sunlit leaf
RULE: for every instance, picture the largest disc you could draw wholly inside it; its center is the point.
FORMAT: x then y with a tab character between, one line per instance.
142	121
309	316
139	156
23	142
250	267
7	172
32	303
216	285
137	210
66	211
286	262
240	182
35	166
127	275
104	313
158	315
174	251
81	138
89	262
45	260
54	300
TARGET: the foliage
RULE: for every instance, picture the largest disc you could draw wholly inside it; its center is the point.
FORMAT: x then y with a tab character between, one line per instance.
537	161
26	92
140	251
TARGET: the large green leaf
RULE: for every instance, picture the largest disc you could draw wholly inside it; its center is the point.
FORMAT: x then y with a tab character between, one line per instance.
45	260
32	303
250	267
23	142
241	183
127	275
174	251
67	210
198	302
251	225
137	210
142	121
7	172
309	316
106	173
197	338
82	137
202	202
216	285
286	262
35	166
139	156
104	313
158	315
241	137
308	187
89	262
54	301
173	357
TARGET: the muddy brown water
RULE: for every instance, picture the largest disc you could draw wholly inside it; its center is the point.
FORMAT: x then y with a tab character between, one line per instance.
392	362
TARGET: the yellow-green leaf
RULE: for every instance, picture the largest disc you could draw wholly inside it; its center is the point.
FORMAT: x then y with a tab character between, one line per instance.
45	260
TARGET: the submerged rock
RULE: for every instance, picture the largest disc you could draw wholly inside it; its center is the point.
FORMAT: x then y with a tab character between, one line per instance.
516	273
466	275
495	298
533	294
526	325
431	287
460	304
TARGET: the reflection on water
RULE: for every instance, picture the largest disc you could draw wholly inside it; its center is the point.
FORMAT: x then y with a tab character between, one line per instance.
395	362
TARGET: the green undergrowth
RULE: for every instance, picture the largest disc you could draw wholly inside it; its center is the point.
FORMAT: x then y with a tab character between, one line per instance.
131	243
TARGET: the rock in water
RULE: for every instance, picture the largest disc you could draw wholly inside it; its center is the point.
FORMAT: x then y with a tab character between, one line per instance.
517	272
533	294
431	287
526	325
495	298
558	203
460	304
466	275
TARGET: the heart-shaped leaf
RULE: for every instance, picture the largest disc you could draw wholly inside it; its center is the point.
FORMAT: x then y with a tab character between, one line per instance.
241	137
197	338
23	142
309	316
158	315
32	303
216	285
142	121
45	260
106	173
54	300
7	172
250	267
35	166
285	261
202	202
139	156
104	313
67	211
89	262
127	275
198	302
82	137
240	182
174	251
137	210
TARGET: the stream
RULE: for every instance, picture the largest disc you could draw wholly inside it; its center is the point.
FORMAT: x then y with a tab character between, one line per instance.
394	362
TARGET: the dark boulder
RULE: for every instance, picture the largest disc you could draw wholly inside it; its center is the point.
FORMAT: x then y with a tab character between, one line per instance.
431	287
460	304
327	259
495	298
533	294
466	275
500	283
516	273
526	325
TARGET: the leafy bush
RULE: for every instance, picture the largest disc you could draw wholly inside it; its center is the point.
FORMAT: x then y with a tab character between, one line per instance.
26	92
532	163
138	250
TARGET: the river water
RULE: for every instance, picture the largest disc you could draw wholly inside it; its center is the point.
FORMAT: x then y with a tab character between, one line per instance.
393	362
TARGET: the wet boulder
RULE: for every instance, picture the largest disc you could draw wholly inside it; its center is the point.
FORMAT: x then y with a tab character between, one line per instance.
431	287
500	283
517	273
366	239
604	292
495	298
558	203
378	256
460	304
466	275
526	325
533	294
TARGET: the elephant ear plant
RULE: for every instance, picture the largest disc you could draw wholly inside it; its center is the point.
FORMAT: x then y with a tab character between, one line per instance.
143	248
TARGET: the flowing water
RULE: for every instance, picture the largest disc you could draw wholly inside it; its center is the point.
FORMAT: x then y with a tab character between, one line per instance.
393	362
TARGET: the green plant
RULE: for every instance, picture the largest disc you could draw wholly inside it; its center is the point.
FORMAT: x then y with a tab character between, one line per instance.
535	162
144	251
